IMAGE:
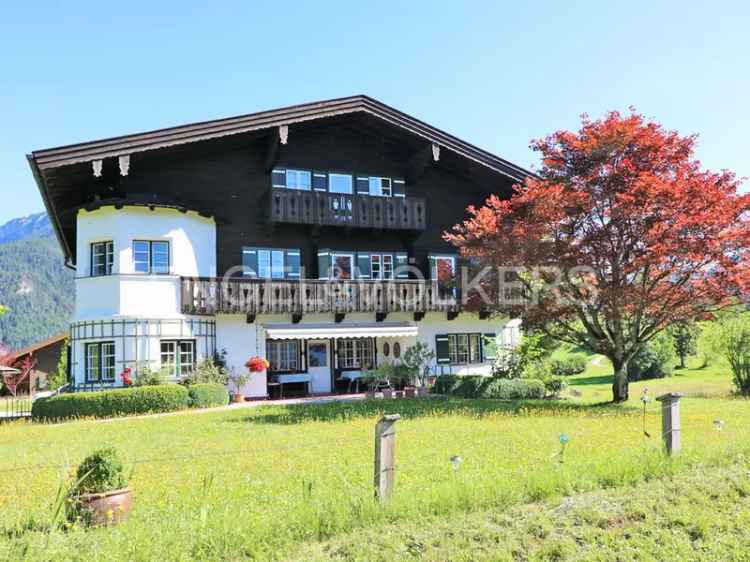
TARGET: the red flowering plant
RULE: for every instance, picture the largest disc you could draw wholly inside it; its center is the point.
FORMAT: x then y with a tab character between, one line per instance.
257	364
125	376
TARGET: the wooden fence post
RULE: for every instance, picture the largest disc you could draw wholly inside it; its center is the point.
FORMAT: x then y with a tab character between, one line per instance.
385	445
670	421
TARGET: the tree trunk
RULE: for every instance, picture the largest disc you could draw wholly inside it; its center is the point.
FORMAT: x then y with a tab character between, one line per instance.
620	384
682	360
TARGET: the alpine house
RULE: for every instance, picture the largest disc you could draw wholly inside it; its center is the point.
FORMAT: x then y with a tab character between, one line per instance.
309	235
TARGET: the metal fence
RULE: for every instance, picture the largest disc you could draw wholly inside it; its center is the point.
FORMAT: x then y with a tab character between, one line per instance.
14	407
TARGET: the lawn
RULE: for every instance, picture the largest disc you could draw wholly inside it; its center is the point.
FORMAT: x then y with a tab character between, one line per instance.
266	482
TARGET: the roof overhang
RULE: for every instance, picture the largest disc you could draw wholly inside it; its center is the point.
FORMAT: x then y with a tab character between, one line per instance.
348	330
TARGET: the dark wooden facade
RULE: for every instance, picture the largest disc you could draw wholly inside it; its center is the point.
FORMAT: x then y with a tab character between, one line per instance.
229	177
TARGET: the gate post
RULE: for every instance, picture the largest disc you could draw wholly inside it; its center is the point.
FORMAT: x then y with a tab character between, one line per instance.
670	421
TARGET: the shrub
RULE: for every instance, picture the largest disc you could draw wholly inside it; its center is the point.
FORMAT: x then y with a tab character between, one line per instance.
205	395
573	365
109	403
101	471
508	363
148	377
735	346
209	371
654	360
477	386
555	385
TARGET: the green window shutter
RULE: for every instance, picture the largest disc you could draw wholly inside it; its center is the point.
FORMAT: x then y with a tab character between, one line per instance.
488	352
442	349
278	177
250	261
293	263
402	263
363	265
363	185
324	264
320	181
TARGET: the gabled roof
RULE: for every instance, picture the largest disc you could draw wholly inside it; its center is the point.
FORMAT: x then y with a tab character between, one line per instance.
54	340
128	144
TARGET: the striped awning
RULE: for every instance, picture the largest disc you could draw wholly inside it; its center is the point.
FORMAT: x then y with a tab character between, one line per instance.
330	330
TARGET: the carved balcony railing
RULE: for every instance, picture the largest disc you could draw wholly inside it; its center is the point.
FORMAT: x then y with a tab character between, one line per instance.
208	296
340	209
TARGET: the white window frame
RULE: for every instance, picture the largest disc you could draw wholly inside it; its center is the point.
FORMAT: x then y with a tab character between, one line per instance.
105	249
355	353
150	257
333	175
377	186
386	265
296	175
283	356
99	364
472	352
179	367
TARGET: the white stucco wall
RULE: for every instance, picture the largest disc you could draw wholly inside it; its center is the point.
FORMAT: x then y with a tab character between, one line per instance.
242	340
192	241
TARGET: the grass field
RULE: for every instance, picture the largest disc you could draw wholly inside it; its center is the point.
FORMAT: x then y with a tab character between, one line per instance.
268	483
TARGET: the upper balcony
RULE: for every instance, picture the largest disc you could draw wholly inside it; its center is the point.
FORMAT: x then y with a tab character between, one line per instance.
339	209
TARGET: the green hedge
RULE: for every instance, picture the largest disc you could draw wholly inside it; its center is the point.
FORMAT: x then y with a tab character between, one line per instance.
205	395
110	403
477	386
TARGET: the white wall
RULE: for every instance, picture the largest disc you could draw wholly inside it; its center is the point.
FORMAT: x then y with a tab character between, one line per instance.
192	241
192	238
242	340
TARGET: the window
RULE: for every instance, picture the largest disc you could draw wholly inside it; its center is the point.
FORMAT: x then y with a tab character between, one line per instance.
271	263
102	258
299	179
343	266
381	187
355	353
151	257
283	355
443	272
179	356
381	266
100	362
464	349
339	183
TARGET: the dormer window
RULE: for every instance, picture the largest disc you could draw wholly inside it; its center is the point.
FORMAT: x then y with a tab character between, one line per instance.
151	256
102	258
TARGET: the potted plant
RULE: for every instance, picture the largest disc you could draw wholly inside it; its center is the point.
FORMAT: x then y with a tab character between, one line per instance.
418	359
238	380
403	379
100	495
371	378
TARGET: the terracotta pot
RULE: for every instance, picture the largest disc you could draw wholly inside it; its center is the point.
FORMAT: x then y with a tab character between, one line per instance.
410	391
106	508
237	398
388	393
423	391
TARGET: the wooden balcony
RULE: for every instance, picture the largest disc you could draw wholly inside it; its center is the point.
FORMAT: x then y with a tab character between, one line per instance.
338	209
208	296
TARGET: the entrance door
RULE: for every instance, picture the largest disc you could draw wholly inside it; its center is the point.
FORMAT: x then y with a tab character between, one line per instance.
319	365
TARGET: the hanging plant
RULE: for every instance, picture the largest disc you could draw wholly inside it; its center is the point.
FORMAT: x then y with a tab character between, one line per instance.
257	364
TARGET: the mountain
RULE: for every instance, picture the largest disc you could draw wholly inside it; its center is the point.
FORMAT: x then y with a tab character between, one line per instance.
32	227
34	283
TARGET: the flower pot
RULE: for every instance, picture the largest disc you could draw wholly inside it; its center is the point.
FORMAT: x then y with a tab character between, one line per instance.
399	394
388	393
423	391
237	398
106	508
370	394
410	391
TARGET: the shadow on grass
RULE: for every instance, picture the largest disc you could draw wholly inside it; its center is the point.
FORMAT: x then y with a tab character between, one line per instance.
424	407
596	379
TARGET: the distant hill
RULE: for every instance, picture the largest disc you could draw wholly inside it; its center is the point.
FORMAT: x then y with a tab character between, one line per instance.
34	282
32	227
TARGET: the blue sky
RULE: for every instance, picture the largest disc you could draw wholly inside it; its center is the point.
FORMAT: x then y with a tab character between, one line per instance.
492	73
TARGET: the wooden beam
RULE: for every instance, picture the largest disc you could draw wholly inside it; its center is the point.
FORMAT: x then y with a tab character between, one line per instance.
338	317
418	316
380	316
96	166
452	314
250	318
296	318
124	163
421	161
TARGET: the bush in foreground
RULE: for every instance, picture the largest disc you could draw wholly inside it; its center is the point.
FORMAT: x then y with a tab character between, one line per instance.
110	403
477	386
205	395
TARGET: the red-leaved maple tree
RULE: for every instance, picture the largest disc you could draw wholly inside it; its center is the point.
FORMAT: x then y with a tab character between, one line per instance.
627	234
